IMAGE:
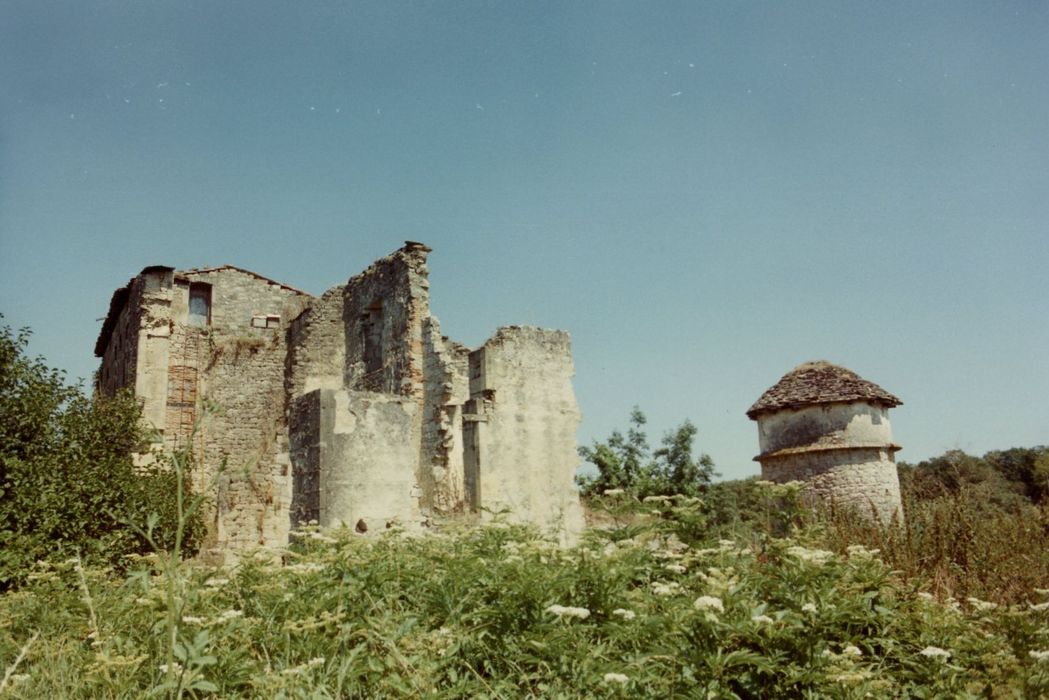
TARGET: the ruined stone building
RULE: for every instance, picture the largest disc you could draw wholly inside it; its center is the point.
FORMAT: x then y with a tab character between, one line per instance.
828	427
347	408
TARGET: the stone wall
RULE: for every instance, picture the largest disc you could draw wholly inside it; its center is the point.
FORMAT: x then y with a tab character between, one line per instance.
354	461
862	478
520	429
237	362
348	408
856	423
317	346
384	308
843	451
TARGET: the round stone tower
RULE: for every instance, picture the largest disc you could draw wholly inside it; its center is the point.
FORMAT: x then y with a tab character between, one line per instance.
828	427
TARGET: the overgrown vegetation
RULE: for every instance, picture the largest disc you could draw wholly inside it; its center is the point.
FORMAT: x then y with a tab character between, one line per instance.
685	588
654	604
67	481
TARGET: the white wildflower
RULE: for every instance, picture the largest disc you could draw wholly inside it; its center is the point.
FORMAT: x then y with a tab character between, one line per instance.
762	619
191	620
17	678
764	484
614	492
676	568
815	556
726	544
1039	655
1042	591
981	605
935	653
851	650
858	551
656	499
1040	606
228	615
176	668
625	614
665	589
568	611
616	678
309	567
925	596
708	602
809	608
216	582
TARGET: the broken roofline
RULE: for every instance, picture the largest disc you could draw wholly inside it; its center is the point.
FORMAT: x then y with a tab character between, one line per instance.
121	295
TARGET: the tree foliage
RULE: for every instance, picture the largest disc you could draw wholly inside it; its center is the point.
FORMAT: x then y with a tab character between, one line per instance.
67	480
1003	478
627	462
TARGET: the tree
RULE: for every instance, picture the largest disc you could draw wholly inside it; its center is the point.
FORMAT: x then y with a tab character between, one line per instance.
626	462
67	480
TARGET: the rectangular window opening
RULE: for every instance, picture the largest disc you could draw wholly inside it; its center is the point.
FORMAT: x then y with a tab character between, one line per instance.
199	304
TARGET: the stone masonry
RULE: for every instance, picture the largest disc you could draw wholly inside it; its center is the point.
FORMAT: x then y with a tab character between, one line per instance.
828	427
348	408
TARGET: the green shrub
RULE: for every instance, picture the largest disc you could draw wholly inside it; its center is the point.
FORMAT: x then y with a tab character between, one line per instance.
67	480
626	462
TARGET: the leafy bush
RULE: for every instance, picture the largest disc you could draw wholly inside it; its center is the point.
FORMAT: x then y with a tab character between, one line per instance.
627	463
67	481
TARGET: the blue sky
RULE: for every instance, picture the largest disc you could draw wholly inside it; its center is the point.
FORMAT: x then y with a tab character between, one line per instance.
704	194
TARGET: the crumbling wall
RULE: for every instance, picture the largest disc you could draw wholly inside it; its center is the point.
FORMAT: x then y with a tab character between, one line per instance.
445	390
353	459
521	423
317	346
383	311
120	355
238	362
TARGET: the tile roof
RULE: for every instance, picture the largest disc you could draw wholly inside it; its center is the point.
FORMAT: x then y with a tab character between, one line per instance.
819	382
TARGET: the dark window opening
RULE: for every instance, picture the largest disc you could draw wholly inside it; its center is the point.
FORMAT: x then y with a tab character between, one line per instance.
199	304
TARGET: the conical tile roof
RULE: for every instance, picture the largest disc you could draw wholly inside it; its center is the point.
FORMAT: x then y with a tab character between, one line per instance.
817	383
